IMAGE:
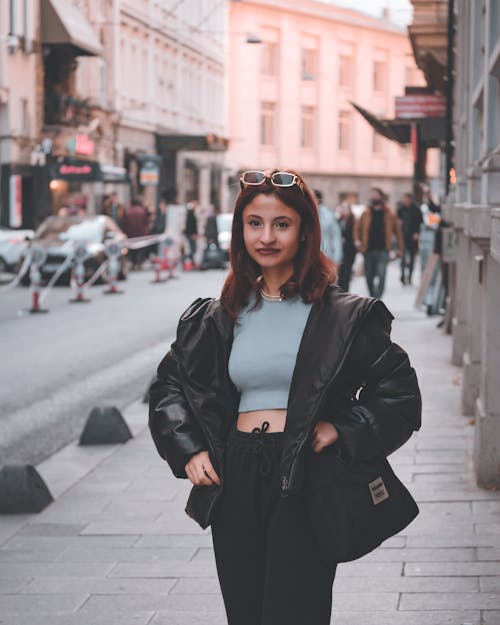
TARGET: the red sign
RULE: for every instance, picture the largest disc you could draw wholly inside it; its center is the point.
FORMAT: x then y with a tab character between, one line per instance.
420	105
83	145
78	170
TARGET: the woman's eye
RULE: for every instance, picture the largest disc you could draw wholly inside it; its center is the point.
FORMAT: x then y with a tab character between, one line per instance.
282	225
254	223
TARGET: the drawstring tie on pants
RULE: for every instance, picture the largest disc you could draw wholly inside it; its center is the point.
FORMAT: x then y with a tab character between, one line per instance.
266	462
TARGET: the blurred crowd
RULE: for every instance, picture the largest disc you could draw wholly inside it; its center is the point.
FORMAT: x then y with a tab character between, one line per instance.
381	233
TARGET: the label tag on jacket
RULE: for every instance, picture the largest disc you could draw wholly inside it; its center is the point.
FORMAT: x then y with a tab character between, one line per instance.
378	490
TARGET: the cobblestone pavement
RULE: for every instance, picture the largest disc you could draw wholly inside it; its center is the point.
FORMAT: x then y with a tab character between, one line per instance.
116	546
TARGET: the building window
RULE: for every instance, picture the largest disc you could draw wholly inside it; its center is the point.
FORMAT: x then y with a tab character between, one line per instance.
267	123
25	117
345	70
344	131
379	76
307	134
269	58
308	64
377	143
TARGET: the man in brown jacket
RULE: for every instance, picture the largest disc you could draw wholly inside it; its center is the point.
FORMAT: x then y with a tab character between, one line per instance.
373	235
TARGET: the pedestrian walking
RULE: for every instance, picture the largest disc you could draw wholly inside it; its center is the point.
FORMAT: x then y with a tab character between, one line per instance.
331	235
254	399
374	233
346	221
191	232
410	219
431	218
136	224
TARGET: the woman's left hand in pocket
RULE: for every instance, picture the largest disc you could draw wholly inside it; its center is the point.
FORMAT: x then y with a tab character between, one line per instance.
324	434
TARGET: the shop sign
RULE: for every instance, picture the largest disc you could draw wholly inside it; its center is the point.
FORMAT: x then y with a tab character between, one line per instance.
449	248
80	144
83	171
417	106
149	175
16	201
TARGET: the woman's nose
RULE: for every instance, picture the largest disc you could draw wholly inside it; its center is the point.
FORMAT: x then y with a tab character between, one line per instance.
267	234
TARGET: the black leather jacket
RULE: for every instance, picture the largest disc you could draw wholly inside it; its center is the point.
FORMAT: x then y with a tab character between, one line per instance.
348	372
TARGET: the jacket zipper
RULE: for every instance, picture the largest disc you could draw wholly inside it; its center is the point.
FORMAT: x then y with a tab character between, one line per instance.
285	481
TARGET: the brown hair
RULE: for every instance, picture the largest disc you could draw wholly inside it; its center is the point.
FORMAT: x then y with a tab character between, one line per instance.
313	271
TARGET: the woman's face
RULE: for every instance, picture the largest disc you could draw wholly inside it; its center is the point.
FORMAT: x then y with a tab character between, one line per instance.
271	231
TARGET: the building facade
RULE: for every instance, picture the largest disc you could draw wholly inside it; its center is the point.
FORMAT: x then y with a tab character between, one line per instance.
472	207
475	213
123	95
294	69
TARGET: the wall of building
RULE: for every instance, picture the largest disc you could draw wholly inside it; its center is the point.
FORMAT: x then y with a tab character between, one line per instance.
290	95
474	211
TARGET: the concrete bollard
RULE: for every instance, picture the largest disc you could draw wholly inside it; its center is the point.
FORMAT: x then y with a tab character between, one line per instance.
22	490
105	426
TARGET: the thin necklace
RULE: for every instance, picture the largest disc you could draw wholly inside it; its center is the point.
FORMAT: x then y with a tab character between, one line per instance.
271	298
268	296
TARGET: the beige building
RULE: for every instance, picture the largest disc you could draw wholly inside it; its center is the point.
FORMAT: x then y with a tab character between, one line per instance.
295	68
125	95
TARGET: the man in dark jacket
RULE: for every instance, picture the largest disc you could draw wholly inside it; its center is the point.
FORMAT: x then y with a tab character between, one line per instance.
136	224
410	218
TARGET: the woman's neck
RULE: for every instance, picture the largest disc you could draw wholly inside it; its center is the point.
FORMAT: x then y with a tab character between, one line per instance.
273	280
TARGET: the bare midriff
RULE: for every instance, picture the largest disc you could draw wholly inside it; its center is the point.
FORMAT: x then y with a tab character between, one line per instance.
276	418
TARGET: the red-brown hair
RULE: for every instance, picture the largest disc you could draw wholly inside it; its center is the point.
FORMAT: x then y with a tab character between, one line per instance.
313	271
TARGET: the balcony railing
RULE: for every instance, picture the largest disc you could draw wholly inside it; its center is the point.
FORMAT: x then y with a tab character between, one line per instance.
63	109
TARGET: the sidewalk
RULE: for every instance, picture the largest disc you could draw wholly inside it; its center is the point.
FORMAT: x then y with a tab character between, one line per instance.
117	548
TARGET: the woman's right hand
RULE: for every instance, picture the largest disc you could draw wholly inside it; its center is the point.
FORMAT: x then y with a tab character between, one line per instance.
200	470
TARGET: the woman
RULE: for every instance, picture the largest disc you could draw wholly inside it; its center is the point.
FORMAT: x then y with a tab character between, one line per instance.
258	384
346	221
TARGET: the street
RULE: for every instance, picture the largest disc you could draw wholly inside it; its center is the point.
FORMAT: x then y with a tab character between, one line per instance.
63	363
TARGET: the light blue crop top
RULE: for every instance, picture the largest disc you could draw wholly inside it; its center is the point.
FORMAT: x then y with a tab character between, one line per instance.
265	346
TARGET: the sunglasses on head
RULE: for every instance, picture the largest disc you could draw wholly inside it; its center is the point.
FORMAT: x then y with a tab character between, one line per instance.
277	179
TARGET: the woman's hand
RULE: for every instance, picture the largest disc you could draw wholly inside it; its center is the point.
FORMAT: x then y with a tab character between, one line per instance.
200	471
324	434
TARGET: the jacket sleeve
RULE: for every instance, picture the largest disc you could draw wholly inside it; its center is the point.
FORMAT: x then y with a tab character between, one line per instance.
388	405
175	432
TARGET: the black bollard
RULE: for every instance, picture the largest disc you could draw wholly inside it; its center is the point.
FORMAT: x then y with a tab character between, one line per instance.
105	426
22	490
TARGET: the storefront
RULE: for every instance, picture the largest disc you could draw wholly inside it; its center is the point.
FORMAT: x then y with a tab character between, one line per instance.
80	186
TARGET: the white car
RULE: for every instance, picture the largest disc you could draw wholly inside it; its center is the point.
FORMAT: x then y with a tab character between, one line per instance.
13	244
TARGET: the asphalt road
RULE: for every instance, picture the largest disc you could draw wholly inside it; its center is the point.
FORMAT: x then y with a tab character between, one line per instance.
55	367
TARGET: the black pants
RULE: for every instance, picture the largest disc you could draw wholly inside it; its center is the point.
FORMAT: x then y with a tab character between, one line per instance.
408	262
270	568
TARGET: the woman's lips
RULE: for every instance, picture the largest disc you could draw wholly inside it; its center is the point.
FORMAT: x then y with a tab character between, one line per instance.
265	252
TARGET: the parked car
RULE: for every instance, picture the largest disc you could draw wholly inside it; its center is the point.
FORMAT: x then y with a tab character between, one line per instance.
13	244
224	227
58	235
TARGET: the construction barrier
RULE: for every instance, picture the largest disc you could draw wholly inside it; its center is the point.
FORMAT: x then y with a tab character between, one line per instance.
113	251
38	257
20	274
78	274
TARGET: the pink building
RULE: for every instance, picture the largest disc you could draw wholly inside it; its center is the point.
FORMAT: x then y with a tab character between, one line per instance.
294	68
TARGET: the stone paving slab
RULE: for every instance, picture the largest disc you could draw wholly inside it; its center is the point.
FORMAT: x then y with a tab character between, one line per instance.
448	601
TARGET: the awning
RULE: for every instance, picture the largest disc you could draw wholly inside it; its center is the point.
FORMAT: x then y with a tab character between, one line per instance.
64	24
431	130
393	129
